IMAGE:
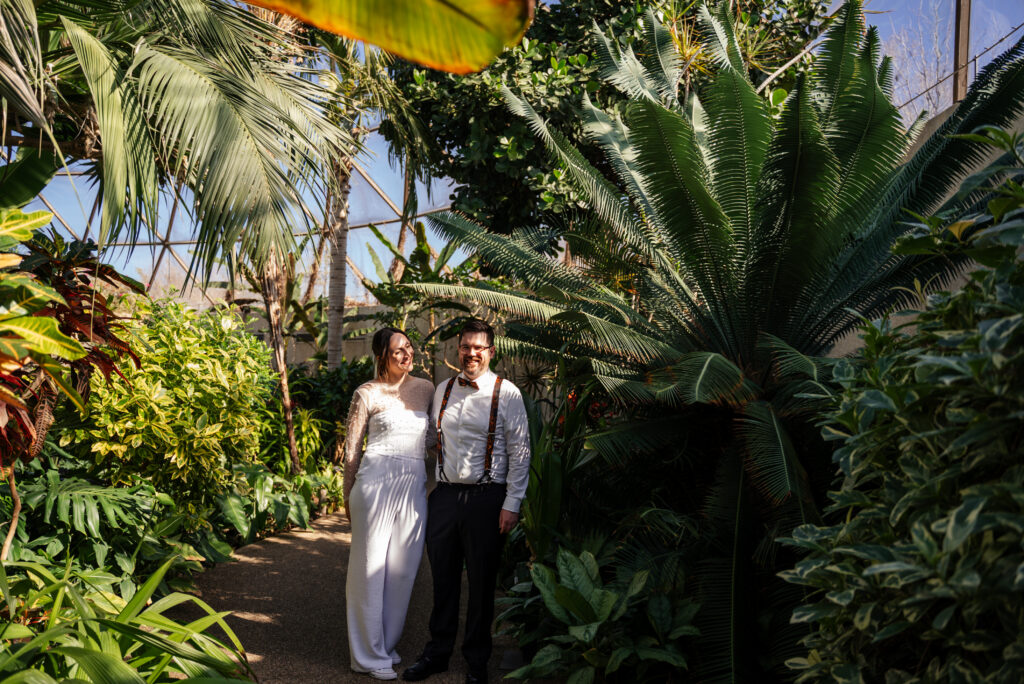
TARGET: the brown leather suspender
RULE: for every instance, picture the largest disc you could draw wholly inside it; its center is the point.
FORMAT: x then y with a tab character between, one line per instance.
491	427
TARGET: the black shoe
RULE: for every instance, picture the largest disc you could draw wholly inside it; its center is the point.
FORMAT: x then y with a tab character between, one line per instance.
475	677
423	668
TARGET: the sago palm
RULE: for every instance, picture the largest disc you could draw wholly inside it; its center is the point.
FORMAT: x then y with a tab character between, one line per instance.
743	248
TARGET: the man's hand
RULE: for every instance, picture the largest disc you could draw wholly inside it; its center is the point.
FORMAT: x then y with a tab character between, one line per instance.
506	521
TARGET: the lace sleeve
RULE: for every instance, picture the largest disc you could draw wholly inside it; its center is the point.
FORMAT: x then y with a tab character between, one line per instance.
358	415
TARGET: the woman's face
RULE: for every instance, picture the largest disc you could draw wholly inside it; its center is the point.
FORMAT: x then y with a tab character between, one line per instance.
400	355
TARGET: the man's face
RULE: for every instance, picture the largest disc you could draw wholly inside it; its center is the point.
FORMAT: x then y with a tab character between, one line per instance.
475	354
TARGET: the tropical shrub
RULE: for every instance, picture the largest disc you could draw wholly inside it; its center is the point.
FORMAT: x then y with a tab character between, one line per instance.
61	625
606	627
921	578
326	395
127	532
711	274
183	418
261	502
56	327
501	175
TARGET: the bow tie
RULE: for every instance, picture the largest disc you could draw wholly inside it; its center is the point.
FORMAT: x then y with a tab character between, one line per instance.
468	383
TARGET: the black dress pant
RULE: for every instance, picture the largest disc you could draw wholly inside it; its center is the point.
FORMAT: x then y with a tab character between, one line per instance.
462	527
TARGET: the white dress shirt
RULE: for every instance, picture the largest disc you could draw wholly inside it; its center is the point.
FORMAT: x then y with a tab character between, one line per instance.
464	430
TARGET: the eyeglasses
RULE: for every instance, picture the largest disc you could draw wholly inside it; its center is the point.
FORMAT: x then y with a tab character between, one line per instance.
466	348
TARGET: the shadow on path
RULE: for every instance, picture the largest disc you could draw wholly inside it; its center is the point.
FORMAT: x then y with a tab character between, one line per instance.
286	595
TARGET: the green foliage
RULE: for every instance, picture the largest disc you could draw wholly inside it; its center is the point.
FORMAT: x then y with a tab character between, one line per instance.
126	531
707	278
604	628
55	327
187	415
326	395
72	626
503	178
261	502
250	132
921	578
309	440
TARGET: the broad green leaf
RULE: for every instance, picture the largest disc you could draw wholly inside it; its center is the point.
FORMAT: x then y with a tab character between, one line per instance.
26	293
19	226
544	579
582	676
459	36
43	334
573	574
574	601
233	508
30	677
23	179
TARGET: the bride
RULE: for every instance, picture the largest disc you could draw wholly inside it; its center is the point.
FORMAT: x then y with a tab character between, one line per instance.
386	501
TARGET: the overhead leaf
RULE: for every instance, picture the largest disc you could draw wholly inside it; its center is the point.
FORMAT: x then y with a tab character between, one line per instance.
459	36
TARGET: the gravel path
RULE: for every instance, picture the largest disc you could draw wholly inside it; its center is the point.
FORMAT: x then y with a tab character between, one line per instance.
286	595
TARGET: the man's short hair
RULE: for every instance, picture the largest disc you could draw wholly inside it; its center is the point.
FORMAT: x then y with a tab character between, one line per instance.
475	325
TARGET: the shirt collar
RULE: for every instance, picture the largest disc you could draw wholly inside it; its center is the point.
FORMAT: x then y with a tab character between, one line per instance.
485	381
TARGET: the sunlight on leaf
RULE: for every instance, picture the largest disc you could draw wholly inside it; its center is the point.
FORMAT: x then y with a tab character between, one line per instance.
459	36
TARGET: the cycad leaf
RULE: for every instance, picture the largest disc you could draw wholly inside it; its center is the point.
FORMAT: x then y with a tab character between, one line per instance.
837	58
774	466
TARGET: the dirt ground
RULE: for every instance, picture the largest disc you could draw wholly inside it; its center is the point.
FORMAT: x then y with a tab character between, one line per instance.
286	595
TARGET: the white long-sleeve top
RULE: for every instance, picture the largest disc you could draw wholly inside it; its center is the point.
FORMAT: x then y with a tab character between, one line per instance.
464	430
394	419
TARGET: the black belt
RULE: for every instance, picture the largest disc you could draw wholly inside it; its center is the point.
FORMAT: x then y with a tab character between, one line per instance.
470	485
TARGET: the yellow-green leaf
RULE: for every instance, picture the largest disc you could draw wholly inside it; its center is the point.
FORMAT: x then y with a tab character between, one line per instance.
22	291
43	335
11	399
459	36
958	228
19	226
7	260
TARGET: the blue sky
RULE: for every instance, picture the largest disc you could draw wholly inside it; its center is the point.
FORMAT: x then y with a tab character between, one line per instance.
990	20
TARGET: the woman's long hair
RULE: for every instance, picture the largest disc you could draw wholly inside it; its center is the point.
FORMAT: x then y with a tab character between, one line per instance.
380	345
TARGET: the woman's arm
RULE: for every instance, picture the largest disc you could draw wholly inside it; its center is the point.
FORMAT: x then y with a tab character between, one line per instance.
358	415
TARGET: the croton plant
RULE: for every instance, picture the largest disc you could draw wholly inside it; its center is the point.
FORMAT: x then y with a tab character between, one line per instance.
56	329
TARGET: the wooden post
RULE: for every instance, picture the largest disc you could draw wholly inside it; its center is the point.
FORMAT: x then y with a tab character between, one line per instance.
961	48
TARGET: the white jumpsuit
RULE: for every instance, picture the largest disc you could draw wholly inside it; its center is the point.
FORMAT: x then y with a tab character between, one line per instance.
385	487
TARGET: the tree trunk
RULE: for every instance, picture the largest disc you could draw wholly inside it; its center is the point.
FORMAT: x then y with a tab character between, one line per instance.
337	232
272	287
397	267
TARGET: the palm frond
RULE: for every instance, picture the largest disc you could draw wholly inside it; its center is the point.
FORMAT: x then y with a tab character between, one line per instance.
798	186
605	200
129	179
774	466
622	68
621	442
837	60
522	306
739	130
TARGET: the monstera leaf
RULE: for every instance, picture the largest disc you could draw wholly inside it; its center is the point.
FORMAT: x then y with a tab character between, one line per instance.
459	36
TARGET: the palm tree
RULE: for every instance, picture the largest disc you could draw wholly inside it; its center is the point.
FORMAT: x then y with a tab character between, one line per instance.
731	250
156	92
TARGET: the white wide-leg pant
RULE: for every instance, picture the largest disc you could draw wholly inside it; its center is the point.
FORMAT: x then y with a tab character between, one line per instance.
388	505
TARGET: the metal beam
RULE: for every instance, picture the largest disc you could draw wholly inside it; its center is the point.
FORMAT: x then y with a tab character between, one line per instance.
961	49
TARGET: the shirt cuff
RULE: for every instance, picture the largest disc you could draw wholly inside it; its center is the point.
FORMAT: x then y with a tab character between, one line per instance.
511	504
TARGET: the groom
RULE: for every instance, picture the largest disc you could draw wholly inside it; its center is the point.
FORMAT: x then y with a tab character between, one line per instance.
483	465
